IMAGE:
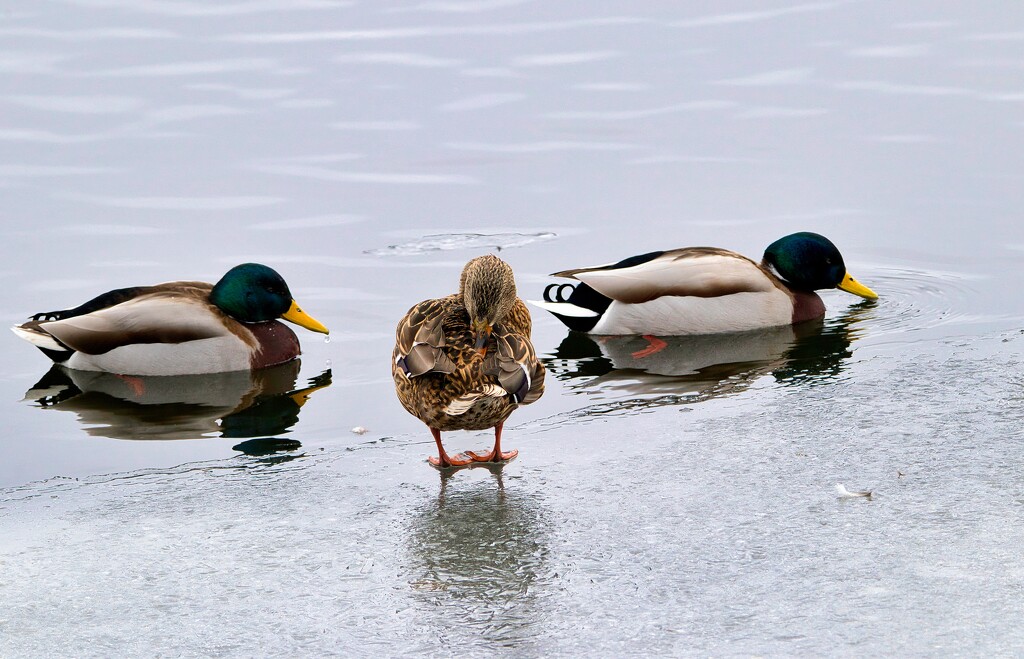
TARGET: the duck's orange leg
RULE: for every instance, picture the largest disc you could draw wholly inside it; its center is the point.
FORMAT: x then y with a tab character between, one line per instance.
496	454
443	460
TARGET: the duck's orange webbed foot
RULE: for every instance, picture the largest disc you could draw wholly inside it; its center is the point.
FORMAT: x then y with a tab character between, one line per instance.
443	460
447	461
493	456
137	385
654	345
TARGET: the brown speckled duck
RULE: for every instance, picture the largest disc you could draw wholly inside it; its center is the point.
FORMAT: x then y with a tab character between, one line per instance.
465	361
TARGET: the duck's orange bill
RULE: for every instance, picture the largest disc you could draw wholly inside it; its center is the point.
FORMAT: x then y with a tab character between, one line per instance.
481	333
303	319
851	285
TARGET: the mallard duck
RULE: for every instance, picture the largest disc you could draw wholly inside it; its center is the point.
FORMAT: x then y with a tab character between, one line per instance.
177	328
465	361
703	290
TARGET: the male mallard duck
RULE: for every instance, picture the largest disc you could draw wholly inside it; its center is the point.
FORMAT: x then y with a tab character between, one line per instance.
703	290
465	361
177	328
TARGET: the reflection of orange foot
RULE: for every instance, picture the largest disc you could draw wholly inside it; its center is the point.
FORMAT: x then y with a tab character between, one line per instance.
654	345
446	461
137	385
503	456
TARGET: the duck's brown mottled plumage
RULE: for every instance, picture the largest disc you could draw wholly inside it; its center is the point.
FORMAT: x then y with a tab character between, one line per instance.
437	369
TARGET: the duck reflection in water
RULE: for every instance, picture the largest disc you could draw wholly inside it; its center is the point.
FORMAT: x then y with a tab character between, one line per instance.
709	366
237	404
476	555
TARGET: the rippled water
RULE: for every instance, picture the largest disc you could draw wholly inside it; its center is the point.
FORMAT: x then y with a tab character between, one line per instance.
672	502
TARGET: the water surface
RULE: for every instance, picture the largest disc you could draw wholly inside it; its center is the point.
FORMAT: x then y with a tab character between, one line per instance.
681	502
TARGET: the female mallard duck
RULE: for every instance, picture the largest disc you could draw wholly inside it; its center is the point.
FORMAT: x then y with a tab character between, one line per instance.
465	362
703	290
177	328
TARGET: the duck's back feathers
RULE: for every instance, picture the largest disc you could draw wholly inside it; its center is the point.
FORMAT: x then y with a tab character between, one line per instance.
689	272
444	381
162	317
117	296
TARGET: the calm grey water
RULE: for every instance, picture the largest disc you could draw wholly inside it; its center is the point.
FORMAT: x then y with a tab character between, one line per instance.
683	504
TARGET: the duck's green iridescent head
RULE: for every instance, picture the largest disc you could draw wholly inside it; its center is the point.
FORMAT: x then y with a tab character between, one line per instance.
255	293
809	261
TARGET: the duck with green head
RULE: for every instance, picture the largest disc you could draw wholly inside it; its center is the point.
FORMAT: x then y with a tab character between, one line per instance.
177	328
703	290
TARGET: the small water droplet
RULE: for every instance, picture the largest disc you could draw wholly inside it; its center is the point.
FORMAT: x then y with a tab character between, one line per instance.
327	339
327	364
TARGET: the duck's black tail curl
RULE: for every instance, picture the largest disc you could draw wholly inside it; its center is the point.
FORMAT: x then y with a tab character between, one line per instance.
580	295
558	295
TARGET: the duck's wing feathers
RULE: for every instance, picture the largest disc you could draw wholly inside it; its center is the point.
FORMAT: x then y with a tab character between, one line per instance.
514	364
165	316
117	296
420	341
691	271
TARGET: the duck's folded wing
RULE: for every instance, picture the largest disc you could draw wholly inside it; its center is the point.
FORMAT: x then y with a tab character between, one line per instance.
419	341
158	318
516	367
691	271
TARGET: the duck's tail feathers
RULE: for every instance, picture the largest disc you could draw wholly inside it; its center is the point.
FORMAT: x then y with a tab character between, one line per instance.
46	342
461	405
580	311
564	309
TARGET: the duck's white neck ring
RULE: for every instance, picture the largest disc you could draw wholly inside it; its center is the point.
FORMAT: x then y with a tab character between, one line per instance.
775	271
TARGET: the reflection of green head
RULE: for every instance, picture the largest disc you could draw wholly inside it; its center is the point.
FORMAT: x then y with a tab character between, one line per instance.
252	293
806	261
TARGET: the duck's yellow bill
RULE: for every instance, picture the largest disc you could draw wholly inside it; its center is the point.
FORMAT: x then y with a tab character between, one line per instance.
303	319
851	285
